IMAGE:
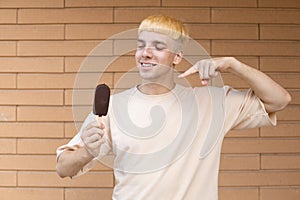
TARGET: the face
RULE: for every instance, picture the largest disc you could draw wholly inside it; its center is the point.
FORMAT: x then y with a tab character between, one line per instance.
154	56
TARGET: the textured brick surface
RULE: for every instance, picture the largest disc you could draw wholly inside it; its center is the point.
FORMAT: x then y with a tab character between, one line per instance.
210	3
31	32
54	53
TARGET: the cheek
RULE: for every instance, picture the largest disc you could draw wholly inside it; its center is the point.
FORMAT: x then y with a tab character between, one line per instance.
167	58
137	56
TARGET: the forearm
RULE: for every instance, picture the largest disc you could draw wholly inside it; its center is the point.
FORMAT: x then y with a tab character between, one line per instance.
272	94
70	163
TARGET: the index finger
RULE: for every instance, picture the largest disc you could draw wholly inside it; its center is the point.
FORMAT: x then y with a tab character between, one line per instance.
188	72
92	124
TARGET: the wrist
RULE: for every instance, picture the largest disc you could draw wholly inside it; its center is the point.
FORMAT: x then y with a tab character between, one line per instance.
85	154
234	65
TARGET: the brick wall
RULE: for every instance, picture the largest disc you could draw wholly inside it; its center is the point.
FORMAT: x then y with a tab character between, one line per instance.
43	43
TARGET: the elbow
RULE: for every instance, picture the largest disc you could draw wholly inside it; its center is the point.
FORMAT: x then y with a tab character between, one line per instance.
280	104
59	172
285	101
60	169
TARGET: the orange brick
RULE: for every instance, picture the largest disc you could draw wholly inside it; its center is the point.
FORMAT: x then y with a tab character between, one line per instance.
7	113
240	162
126	80
198	48
64	48
122	47
7	48
136	15
45	113
283	161
39	146
279	4
34	64
8	178
31	193
209	3
251	61
254	132
7	146
71	129
291	112
100	64
255	48
252	145
96	31
235	193
123	64
32	4
27	162
280	32
103	166
223	31
8	16
31	97
91	194
91	80
59	81
81	112
295	96
185	64
286	129
233	81
280	64
49	81
79	97
255	15
279	193
288	80
117	3
31	32
73	64
50	179
8	81
66	15
31	130
259	178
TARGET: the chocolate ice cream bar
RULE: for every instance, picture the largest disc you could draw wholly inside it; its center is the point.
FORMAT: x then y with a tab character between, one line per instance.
101	100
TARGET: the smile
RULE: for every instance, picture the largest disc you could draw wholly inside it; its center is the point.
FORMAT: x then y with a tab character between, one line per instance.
148	64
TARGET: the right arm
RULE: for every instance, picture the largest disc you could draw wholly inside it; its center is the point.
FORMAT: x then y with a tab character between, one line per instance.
70	162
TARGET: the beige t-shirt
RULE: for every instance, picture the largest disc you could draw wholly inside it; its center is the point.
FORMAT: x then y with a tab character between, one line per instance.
168	146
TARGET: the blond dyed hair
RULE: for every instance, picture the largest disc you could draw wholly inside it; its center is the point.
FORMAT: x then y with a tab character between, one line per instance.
165	25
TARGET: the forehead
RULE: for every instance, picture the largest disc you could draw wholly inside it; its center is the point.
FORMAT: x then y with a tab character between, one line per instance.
148	36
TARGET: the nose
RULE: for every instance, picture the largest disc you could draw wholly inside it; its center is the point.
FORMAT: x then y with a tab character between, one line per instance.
147	52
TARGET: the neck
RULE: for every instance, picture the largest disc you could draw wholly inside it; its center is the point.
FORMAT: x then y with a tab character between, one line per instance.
155	88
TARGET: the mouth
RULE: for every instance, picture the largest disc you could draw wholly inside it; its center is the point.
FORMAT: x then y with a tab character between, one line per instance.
147	65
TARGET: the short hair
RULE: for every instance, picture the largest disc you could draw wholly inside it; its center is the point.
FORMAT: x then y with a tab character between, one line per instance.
165	25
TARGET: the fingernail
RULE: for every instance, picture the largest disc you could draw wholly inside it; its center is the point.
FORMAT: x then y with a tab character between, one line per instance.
204	82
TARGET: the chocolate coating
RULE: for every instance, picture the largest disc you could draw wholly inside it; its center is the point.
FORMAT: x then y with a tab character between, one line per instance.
101	100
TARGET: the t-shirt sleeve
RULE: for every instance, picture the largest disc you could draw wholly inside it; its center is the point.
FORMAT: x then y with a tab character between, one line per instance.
76	143
245	110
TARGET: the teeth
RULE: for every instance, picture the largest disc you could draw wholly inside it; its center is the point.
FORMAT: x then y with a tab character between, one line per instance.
148	65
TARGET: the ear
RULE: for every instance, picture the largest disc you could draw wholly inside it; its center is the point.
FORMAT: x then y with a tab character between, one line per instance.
178	57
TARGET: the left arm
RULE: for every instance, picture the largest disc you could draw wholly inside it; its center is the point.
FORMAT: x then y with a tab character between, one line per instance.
273	96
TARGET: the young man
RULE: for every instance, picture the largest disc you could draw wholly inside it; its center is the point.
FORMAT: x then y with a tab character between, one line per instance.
166	139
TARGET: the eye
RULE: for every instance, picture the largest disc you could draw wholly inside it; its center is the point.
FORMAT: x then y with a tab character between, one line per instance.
160	47
140	45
